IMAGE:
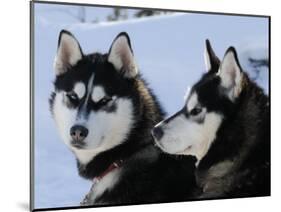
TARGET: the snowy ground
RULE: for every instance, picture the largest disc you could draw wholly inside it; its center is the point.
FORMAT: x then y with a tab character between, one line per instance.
169	51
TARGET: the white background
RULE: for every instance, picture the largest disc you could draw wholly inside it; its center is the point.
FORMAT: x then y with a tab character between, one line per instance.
14	181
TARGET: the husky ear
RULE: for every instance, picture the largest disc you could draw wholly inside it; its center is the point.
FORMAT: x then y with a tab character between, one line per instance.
68	53
231	75
121	56
212	62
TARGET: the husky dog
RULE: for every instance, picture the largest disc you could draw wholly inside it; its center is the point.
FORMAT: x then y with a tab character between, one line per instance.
104	112
225	124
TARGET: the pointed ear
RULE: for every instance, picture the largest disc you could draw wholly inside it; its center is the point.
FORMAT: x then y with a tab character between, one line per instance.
68	53
212	62
121	56
231	74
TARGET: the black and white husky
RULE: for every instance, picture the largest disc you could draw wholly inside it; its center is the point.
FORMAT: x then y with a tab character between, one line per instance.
104	112
225	123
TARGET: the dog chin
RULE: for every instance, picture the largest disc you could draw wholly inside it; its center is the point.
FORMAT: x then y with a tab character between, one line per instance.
78	145
184	151
163	148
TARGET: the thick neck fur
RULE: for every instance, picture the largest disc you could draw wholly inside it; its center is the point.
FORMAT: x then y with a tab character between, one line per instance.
147	114
242	142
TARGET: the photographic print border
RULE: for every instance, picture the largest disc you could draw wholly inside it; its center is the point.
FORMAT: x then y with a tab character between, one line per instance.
32	59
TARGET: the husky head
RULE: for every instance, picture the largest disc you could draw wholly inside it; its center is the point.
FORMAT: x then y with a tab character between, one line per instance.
93	99
192	130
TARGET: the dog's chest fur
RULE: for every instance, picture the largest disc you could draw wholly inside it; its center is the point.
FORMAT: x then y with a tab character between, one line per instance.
99	187
216	180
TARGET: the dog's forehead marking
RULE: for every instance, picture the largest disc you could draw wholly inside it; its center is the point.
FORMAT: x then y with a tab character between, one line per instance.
89	89
192	101
80	89
98	93
90	86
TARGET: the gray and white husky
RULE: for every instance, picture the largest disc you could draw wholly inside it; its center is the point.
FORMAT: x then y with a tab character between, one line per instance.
225	124
104	112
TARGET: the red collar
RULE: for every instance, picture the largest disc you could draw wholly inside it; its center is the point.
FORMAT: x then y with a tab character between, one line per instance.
113	166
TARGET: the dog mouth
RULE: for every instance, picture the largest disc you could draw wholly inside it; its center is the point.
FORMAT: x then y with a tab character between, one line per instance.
160	145
188	147
78	145
185	150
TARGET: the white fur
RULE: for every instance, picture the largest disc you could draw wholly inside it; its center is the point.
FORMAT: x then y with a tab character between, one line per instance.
106	130
231	76
188	137
121	56
206	134
64	117
79	89
192	101
98	93
106	183
85	155
68	53
89	88
81	119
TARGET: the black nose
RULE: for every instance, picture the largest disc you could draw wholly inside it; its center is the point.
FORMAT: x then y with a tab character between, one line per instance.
78	133
157	133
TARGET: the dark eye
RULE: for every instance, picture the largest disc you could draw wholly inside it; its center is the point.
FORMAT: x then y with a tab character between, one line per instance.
195	111
72	96
105	100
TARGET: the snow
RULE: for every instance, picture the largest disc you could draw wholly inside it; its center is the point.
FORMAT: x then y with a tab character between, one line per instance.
169	51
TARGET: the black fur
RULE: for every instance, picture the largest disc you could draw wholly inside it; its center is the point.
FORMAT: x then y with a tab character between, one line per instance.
147	175
243	139
238	161
242	145
214	60
150	179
